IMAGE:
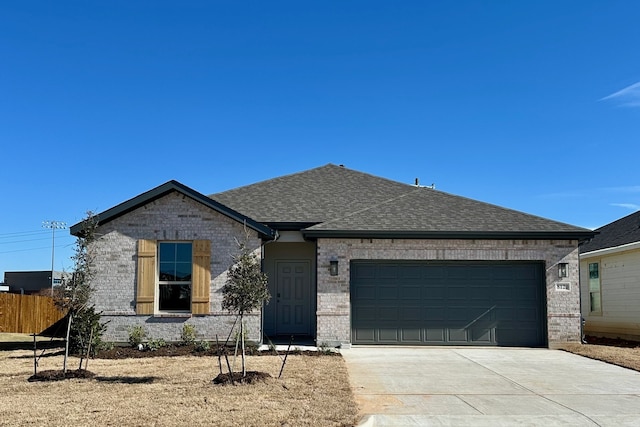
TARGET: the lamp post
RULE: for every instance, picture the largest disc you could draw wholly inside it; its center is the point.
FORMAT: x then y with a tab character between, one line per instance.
53	225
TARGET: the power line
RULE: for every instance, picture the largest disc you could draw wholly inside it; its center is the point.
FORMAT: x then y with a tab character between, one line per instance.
22	233
37	249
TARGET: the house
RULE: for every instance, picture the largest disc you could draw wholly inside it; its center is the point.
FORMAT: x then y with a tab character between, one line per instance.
351	258
31	282
610	280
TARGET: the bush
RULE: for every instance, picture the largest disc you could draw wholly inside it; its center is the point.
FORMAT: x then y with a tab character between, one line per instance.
155	344
137	334
84	322
202	346
188	335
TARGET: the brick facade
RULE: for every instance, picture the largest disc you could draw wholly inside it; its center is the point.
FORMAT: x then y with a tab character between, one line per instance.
172	217
333	301
177	217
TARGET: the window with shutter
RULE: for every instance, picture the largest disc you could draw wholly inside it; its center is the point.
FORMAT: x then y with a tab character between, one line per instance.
173	277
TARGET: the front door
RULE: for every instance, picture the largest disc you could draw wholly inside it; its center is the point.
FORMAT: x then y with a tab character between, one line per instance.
293	305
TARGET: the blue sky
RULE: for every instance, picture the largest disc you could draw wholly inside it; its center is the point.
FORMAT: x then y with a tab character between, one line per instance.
534	106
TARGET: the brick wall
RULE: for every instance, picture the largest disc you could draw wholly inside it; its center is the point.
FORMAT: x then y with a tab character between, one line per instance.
172	217
333	303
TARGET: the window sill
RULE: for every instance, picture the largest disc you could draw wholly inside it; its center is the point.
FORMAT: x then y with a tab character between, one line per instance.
173	315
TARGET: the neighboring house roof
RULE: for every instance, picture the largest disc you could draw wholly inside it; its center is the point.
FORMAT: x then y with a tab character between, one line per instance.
621	232
335	201
165	189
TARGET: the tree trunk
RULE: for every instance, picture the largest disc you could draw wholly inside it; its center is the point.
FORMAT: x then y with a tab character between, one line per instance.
244	368
66	344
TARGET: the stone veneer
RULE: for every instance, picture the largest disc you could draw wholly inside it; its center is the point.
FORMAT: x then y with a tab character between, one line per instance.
333	301
172	217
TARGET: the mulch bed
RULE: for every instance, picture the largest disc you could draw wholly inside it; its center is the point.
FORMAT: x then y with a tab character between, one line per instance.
250	378
613	342
59	375
172	350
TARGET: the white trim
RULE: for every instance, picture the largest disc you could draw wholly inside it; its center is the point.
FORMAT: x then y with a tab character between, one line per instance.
612	250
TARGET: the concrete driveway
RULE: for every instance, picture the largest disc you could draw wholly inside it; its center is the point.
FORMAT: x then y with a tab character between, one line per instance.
418	386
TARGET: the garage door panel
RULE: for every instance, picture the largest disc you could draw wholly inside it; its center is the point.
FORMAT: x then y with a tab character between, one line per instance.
458	336
364	271
364	293
411	314
388	293
411	335
365	315
411	292
386	271
389	334
430	292
457	303
435	335
386	314
411	272
365	335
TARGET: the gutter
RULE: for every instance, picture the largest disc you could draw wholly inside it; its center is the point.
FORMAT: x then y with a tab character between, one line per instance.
612	250
467	235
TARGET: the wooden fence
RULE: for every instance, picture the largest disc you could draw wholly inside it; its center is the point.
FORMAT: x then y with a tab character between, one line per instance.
27	314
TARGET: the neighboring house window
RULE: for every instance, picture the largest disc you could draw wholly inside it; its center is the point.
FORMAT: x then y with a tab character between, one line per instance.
174	276
595	297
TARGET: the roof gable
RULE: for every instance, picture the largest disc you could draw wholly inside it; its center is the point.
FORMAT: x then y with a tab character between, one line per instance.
164	189
620	232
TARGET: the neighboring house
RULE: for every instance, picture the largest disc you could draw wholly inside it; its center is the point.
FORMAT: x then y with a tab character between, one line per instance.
31	282
610	280
351	259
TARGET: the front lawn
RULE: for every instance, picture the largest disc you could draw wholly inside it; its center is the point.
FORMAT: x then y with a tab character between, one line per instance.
169	391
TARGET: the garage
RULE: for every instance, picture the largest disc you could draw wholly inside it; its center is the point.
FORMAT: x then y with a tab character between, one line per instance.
448	303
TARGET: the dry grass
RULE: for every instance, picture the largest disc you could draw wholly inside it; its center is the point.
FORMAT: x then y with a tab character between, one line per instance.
621	356
173	391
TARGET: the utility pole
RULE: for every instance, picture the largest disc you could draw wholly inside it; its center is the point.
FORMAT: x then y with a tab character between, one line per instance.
53	225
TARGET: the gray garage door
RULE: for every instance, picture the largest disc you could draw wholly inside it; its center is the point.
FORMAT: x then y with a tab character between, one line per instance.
455	303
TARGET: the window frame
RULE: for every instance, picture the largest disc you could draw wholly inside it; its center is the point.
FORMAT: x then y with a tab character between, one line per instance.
159	283
592	291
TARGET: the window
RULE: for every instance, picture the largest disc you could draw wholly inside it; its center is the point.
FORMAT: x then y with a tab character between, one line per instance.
174	276
595	297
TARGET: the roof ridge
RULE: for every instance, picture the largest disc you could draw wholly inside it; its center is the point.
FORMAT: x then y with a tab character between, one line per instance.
393	199
275	179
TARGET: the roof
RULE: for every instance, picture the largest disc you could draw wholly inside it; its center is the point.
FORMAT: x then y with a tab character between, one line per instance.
161	191
335	201
313	196
621	232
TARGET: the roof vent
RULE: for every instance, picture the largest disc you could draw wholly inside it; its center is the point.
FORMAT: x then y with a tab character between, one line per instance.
432	186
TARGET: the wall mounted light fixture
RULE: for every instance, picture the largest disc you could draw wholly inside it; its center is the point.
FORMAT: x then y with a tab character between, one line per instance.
563	269
333	266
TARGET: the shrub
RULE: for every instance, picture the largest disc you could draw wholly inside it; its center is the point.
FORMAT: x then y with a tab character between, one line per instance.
137	334
155	344
188	335
202	345
85	325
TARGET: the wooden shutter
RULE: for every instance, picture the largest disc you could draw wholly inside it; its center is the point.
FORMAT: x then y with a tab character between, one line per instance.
201	277
146	276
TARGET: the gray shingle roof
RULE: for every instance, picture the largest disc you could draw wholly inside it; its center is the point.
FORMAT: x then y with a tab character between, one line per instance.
312	196
333	200
621	232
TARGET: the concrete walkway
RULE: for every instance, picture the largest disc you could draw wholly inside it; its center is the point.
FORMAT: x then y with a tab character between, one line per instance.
417	386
